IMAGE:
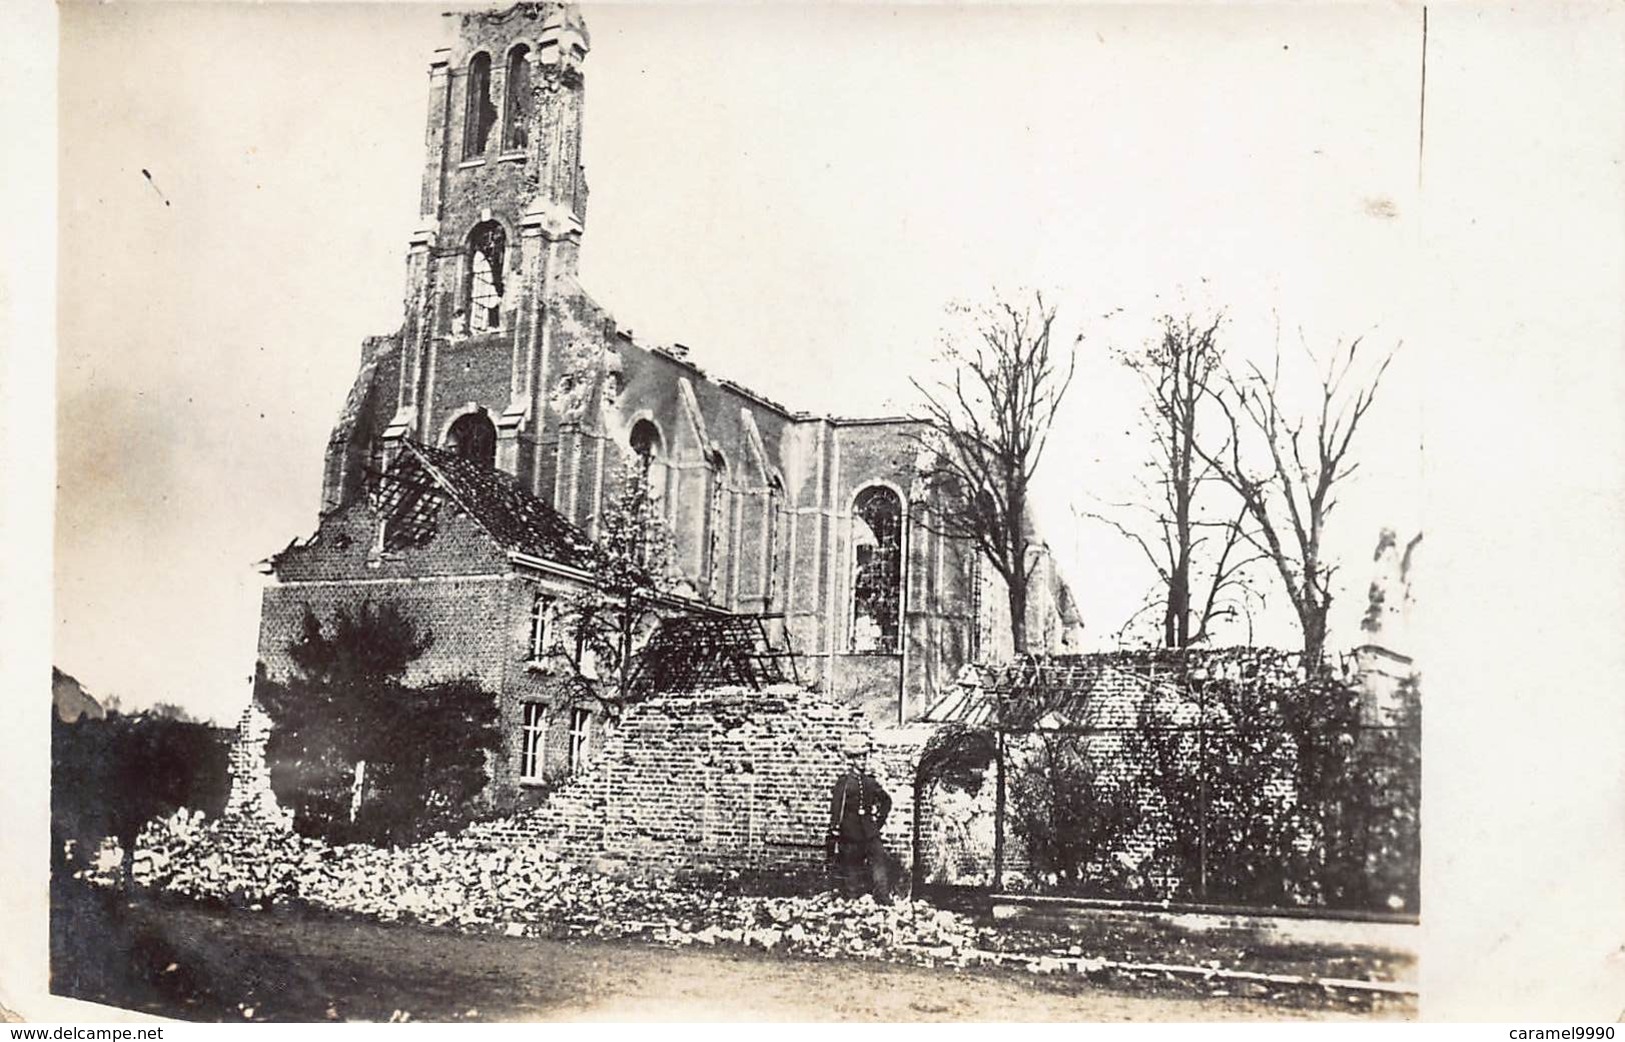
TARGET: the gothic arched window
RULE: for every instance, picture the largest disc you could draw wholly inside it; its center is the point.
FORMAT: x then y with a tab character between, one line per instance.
774	509
487	250
877	555
650	474
717	534
649	457
645	444
481	113
516	126
474	437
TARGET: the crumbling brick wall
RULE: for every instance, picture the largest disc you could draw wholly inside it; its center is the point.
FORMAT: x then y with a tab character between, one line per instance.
718	783
251	806
731	782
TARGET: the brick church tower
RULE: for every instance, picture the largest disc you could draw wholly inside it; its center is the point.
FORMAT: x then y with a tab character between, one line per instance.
481	443
491	288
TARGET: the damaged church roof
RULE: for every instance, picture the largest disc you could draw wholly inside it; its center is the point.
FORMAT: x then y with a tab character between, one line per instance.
517	520
1066	691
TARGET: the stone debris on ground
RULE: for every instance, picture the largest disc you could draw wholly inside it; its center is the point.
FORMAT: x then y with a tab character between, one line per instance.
452	881
467	883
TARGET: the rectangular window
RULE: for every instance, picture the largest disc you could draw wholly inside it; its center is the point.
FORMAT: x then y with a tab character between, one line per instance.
532	741
580	726
541	618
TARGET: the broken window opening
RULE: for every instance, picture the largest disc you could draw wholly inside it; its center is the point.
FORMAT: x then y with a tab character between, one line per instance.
517	132
650	475
775	511
474	438
481	113
580	730
716	530
533	742
877	542
487	248
645	445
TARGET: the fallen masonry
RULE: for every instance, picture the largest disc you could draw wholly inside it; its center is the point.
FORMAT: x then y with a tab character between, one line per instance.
463	882
468	883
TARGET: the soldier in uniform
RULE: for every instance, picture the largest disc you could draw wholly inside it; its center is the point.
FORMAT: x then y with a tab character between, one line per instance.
857	812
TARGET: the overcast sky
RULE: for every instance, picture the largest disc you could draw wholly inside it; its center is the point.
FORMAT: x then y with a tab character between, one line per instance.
794	193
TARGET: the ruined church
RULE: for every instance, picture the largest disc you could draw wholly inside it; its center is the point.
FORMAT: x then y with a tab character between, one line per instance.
481	443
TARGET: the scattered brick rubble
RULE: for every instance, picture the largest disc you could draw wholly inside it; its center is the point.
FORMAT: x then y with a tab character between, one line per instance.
464	882
452	881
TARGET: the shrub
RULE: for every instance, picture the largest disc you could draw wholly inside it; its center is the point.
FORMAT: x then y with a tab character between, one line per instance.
1071	815
111	776
419	753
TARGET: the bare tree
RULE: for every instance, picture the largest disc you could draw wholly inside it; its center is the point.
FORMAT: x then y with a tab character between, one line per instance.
985	431
1291	489
597	629
1200	561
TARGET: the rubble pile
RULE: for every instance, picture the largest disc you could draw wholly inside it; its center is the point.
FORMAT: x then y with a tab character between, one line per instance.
458	882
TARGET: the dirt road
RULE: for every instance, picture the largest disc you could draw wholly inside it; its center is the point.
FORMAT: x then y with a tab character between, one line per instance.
193	963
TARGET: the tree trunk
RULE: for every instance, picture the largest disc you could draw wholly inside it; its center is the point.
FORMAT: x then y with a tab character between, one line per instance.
1017	598
1313	621
1177	620
628	617
998	806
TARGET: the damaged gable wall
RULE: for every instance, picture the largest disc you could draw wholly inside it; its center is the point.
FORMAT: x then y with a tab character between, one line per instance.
459	586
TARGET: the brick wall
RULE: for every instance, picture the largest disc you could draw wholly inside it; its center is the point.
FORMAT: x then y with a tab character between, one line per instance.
251	805
730	781
464	615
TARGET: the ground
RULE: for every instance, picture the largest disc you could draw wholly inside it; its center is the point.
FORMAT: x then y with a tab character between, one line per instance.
193	962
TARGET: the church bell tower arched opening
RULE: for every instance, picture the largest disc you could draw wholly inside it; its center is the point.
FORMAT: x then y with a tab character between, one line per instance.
502	209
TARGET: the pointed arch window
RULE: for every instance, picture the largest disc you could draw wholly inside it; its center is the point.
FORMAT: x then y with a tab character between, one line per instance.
516	127
649	458
877	545
717	531
770	553
488	245
481	113
645	444
650	474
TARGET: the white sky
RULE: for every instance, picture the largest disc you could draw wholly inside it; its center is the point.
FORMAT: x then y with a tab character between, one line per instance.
795	193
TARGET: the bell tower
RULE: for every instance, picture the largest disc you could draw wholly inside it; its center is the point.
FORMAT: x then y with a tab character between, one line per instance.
502	209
